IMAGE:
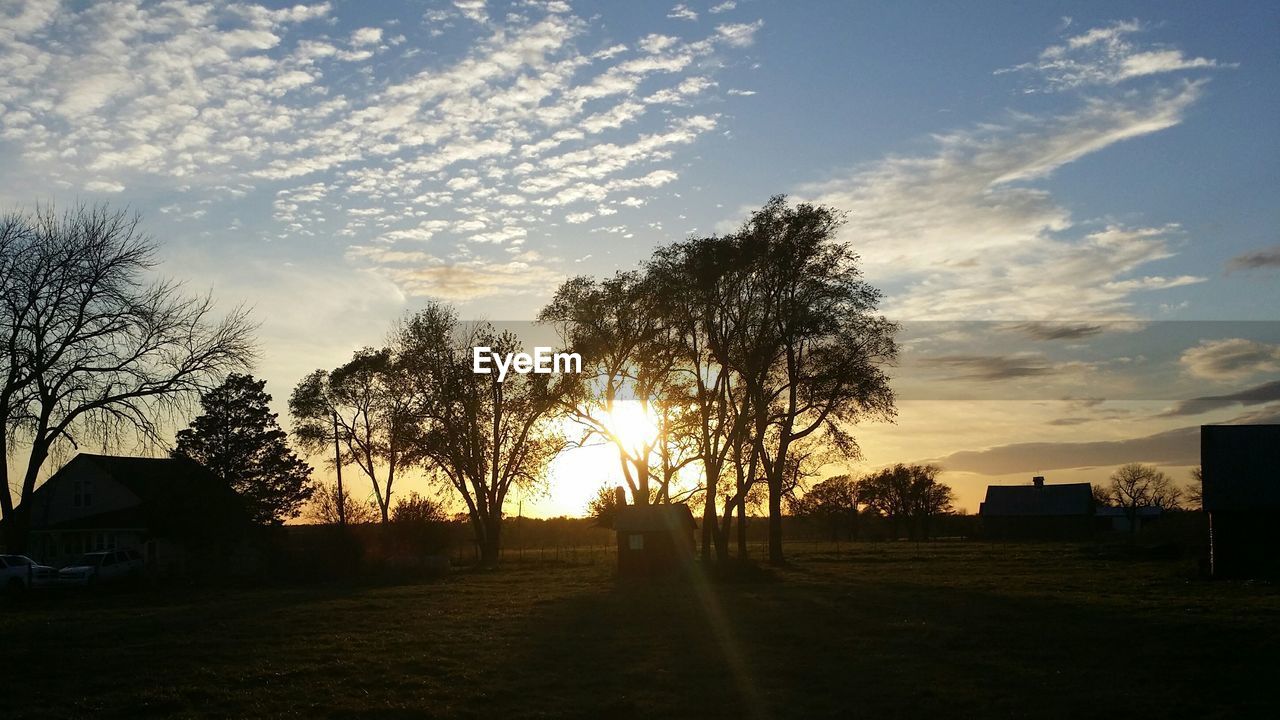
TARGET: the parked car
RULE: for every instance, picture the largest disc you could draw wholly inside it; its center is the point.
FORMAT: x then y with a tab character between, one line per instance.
19	572
103	567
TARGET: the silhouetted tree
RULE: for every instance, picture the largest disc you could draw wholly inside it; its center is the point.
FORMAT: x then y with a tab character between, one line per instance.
810	351
1195	491
833	502
92	344
603	508
1136	485
418	509
613	325
484	436
687	282
238	438
367	400
908	493
1101	496
323	507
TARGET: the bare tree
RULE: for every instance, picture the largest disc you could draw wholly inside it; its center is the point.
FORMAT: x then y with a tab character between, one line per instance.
1195	491
1136	485
92	347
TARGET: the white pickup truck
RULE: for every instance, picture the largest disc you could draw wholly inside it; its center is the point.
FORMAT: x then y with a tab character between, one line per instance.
19	572
103	567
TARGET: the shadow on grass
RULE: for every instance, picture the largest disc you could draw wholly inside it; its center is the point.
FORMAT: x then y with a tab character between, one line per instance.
1027	632
868	646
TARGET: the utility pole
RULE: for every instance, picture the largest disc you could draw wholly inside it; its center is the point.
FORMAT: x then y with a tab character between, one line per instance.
337	464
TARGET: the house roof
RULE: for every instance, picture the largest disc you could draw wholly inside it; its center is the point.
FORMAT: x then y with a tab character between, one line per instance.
178	496
654	518
1038	500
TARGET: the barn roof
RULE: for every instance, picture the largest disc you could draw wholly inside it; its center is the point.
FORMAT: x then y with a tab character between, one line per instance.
653	518
1038	500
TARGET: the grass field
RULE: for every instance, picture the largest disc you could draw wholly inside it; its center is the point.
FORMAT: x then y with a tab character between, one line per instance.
878	630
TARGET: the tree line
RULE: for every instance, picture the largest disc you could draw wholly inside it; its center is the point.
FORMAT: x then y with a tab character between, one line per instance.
907	496
753	355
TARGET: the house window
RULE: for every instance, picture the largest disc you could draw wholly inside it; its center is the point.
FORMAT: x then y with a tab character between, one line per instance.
636	542
82	493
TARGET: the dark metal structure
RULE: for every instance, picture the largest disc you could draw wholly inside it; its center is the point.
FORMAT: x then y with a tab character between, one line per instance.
1241	466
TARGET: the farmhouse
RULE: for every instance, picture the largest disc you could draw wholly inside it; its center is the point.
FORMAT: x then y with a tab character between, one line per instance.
1241	467
1038	511
169	508
654	539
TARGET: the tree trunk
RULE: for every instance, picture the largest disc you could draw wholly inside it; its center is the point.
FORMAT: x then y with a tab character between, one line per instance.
709	521
17	527
17	530
775	520
491	544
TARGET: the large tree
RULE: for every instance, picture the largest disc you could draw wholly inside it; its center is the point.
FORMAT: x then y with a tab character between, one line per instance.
365	405
833	502
482	434
613	325
908	494
692	295
238	438
94	347
810	350
1136	485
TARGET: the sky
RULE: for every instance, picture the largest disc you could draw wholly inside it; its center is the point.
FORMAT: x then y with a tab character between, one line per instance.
1072	207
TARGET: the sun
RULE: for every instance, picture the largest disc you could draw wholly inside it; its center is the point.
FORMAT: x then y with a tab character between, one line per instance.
578	473
633	424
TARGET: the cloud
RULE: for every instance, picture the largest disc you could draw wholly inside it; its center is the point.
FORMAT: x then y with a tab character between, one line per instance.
466	281
1056	331
1104	56
991	368
1173	447
1263	259
1256	395
723	7
473	10
366	36
463	147
103	186
739	34
1230	359
970	234
682	12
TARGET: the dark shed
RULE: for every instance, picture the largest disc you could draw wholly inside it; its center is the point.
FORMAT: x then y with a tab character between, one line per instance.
1038	511
1241	466
654	539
